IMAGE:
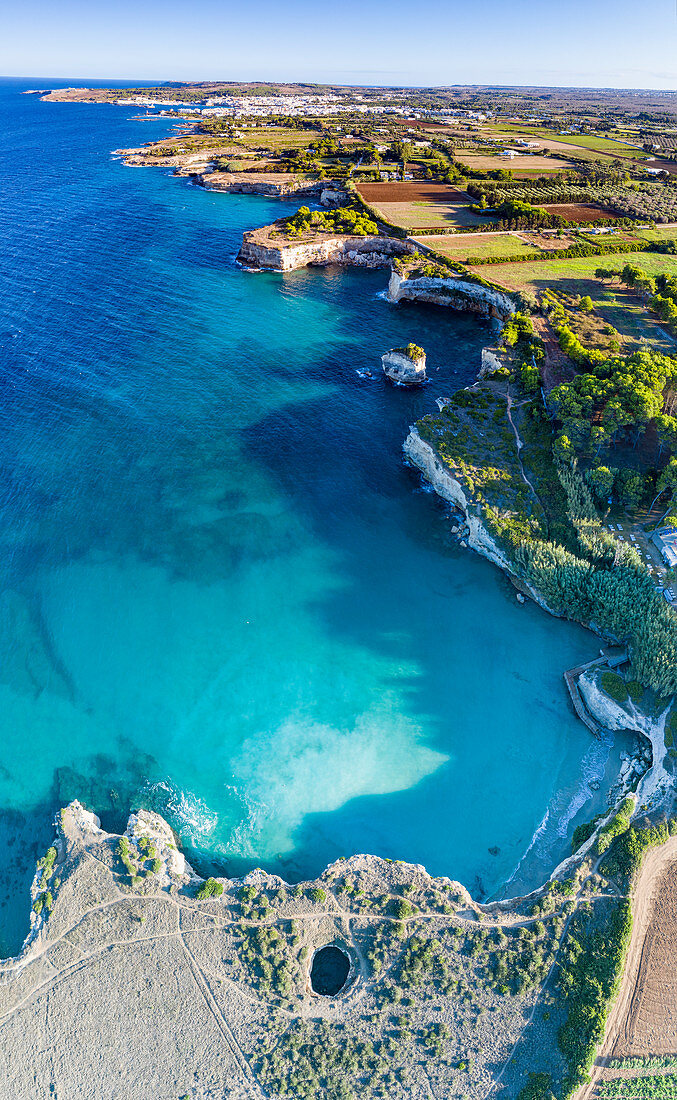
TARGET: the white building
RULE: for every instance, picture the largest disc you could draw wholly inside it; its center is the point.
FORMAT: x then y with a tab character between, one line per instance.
665	540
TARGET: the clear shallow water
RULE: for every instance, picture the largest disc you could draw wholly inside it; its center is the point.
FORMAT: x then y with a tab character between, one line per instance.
223	595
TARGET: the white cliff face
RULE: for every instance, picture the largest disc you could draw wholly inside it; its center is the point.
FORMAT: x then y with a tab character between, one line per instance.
83	820
610	714
490	363
250	183
404	369
626	716
445	485
331	197
454	292
257	251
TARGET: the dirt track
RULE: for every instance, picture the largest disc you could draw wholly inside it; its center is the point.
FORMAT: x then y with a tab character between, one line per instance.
643	1019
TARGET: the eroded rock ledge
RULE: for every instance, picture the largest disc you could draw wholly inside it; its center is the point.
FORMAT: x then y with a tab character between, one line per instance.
262	249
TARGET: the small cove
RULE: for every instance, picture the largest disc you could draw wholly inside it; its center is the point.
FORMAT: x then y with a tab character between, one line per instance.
224	596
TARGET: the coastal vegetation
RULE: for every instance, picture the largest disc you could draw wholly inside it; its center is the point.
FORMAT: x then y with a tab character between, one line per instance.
345	219
574	563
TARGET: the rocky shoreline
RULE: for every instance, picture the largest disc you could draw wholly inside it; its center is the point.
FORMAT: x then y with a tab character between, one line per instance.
647	771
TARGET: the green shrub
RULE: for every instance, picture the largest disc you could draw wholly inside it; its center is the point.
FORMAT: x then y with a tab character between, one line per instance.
317	894
635	691
583	832
614	686
538	1087
209	889
401	908
671	728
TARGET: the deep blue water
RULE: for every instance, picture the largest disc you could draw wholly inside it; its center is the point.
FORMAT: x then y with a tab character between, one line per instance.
223	595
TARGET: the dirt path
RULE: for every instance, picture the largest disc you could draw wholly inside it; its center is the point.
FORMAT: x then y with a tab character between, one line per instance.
623	1014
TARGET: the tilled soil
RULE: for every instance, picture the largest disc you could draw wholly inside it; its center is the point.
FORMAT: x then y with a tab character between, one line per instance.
411	192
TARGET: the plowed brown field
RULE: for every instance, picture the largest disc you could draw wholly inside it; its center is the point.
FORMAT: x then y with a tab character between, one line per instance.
411	192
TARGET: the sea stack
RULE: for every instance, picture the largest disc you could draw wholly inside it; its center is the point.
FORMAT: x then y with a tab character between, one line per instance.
405	366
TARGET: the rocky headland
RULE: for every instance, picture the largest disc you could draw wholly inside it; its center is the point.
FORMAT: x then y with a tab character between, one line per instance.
450	290
270	248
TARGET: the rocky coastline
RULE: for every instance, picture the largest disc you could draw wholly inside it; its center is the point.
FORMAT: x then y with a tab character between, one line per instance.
454	292
647	770
262	249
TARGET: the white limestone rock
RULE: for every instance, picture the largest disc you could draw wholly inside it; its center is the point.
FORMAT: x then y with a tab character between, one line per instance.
405	366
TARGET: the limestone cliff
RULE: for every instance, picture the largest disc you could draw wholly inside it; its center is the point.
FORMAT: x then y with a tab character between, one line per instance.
405	366
261	249
445	485
455	291
626	716
204	990
273	185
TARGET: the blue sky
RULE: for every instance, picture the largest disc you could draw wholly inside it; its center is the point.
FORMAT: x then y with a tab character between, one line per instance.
594	43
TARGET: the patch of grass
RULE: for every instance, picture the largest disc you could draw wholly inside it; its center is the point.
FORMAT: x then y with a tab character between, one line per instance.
614	686
577	272
465	247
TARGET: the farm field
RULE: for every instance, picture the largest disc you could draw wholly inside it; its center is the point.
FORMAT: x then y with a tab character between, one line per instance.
578	271
417	205
636	1060
632	236
412	191
615	304
579	212
660	233
420	215
583	146
528	163
465	246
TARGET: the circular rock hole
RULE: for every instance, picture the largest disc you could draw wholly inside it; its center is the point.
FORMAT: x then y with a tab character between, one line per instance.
329	971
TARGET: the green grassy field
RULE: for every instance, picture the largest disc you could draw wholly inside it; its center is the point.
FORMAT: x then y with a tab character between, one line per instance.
613	302
583	146
537	276
465	246
660	233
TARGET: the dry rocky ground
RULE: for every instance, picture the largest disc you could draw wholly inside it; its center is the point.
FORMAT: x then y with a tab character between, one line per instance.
130	986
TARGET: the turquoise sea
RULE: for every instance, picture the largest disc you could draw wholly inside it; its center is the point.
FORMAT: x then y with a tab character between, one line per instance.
224	596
